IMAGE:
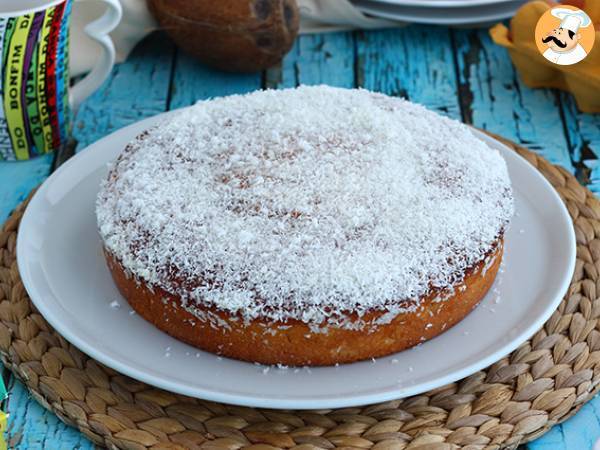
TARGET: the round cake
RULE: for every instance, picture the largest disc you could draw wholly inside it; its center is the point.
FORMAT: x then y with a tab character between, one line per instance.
307	226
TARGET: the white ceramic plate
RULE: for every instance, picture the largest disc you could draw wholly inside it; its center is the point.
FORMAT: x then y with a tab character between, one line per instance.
444	3
482	14
62	267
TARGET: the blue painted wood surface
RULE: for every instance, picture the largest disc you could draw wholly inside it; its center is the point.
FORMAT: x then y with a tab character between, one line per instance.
494	99
17	179
193	81
459	73
316	59
137	89
412	62
582	131
35	428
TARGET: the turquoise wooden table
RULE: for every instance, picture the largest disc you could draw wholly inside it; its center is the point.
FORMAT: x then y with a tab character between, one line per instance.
459	73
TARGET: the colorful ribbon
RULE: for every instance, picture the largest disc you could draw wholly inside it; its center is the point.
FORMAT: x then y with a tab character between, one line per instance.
34	82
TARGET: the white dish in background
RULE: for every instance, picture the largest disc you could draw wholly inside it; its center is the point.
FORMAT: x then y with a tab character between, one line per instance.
445	3
61	264
425	14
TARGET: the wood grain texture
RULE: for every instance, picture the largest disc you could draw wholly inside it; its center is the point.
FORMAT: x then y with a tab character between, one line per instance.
583	130
493	98
579	432
412	62
193	81
32	427
18	179
316	59
583	134
136	89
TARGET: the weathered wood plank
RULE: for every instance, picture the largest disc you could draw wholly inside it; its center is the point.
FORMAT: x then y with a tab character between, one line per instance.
134	90
194	81
579	432
552	440
32	427
495	99
316	59
591	169
583	130
583	133
18	179
412	62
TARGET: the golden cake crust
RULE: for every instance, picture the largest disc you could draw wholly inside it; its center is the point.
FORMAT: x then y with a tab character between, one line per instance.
294	342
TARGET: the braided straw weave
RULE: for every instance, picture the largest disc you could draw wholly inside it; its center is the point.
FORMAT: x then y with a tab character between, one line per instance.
517	399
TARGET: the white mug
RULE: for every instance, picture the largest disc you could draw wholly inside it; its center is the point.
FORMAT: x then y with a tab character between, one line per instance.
36	99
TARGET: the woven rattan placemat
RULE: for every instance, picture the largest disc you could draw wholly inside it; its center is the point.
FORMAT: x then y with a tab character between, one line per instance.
517	399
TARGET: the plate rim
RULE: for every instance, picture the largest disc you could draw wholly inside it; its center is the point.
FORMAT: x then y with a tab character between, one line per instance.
278	402
443	3
508	10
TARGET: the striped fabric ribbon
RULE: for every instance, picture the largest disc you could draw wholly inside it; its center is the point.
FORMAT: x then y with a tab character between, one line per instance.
34	81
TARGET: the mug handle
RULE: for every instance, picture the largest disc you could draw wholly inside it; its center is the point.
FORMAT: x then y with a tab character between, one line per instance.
98	30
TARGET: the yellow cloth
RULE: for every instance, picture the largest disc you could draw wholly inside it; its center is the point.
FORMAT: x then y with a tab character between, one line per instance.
581	79
3	427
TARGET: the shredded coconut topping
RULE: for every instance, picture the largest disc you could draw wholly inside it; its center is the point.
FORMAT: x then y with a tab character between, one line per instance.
305	203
